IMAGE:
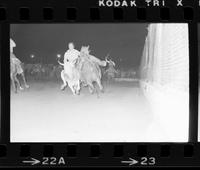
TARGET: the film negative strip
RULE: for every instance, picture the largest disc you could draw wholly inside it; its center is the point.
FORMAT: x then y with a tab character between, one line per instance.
99	83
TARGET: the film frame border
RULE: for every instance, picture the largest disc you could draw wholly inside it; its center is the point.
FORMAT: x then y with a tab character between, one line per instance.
98	154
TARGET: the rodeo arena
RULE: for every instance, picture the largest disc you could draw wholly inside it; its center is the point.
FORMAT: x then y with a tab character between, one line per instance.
83	98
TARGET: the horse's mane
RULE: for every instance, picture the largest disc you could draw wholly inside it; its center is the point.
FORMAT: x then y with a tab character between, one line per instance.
85	50
84	57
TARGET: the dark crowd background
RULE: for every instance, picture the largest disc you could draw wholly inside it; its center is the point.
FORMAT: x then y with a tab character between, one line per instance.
123	42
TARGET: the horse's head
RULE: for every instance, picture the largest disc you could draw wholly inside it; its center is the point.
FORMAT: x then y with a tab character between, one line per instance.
85	50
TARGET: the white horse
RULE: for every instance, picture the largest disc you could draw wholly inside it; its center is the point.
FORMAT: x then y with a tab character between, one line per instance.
84	70
71	77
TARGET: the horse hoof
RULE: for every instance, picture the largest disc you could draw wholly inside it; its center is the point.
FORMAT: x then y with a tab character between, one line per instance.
91	92
102	90
21	88
27	86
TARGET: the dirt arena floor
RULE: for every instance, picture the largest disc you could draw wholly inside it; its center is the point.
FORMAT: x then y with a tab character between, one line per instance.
44	113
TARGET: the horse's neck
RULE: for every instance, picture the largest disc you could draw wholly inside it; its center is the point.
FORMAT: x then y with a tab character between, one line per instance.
111	65
80	62
68	68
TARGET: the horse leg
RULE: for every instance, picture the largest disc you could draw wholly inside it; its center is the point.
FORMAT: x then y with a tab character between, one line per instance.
71	86
23	77
13	83
18	83
100	85
75	89
63	79
91	87
78	87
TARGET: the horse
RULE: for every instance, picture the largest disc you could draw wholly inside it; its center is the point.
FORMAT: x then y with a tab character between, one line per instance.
89	69
16	69
85	71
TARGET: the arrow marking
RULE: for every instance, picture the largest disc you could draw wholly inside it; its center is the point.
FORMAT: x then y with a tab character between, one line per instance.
130	162
33	161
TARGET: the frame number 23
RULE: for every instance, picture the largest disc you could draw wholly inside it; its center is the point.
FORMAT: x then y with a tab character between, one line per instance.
148	161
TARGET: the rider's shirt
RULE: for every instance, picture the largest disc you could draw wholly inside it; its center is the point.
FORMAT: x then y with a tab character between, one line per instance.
71	55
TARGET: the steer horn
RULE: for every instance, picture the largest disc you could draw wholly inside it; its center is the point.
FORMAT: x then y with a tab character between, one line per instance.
106	58
112	62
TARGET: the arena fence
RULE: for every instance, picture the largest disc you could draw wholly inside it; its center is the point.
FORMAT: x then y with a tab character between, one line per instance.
164	75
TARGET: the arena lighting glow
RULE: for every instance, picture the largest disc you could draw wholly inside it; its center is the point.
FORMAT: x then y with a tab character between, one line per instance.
32	56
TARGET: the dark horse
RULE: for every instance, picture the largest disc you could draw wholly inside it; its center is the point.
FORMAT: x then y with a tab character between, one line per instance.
89	70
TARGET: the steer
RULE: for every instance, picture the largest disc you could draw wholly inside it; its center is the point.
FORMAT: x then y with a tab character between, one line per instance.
70	76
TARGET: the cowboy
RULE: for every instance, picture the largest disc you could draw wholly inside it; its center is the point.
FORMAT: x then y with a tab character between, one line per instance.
72	54
16	68
14	59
